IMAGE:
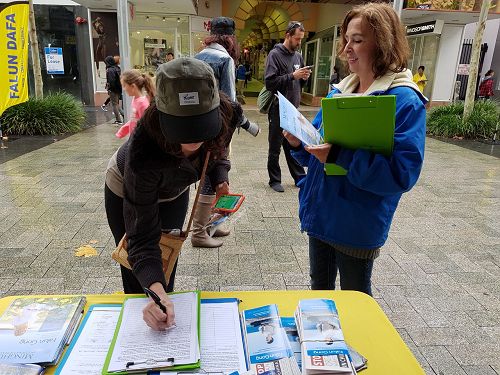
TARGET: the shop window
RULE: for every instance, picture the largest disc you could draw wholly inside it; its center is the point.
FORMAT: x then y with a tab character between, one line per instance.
152	37
423	51
324	64
56	28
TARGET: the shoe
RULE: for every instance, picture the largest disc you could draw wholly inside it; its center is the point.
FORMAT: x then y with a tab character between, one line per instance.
277	187
118	123
220	232
200	237
103	107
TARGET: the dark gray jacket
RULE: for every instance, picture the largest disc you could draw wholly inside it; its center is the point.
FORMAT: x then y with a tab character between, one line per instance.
278	76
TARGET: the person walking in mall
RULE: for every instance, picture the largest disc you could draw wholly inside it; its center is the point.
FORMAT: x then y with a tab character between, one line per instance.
240	81
486	86
220	53
348	217
135	83
284	72
420	79
114	87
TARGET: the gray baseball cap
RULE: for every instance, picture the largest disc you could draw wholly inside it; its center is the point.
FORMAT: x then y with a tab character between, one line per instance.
187	97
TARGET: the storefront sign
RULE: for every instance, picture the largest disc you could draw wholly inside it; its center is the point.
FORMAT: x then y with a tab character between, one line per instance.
463	69
421	28
200	24
154	45
13	54
54	60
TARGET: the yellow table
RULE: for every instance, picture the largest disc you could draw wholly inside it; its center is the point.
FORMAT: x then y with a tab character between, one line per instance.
364	324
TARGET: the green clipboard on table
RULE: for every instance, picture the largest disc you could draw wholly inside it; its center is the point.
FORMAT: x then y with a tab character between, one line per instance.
359	122
136	348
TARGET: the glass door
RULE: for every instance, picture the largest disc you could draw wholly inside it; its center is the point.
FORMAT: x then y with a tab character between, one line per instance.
310	58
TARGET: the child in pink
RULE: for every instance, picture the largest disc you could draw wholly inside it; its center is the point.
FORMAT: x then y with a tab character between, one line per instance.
134	83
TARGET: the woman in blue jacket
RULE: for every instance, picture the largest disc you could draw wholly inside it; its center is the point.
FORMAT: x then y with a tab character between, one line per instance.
348	217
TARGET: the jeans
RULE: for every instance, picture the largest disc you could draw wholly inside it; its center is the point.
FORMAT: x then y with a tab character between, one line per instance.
172	215
276	139
325	260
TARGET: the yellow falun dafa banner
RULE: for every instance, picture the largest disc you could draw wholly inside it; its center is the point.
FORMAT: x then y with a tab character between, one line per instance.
13	53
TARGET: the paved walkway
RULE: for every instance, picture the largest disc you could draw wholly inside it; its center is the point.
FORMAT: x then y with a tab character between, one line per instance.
437	279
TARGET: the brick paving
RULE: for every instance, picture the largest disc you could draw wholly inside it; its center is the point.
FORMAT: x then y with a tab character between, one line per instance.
437	278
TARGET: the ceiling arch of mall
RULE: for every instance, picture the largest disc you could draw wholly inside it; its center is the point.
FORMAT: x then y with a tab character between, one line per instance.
260	21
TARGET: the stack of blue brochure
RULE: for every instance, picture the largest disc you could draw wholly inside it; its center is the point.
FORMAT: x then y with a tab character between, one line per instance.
324	350
268	348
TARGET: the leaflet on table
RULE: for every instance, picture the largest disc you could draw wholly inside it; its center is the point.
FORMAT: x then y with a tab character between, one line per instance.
293	338
268	349
20	369
265	337
221	343
136	347
295	123
323	346
282	366
36	329
87	352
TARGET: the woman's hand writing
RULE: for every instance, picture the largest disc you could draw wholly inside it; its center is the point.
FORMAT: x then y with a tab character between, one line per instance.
152	314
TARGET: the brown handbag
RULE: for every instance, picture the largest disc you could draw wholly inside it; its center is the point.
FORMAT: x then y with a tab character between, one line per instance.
170	245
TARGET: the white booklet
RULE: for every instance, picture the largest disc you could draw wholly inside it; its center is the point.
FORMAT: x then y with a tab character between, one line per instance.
295	123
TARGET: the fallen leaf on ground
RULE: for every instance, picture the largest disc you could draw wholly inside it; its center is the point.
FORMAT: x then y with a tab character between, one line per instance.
86	251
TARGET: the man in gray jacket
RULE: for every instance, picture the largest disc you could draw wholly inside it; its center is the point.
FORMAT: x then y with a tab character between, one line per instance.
285	72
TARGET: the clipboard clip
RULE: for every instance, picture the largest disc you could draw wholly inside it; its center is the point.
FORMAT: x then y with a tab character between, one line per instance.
151	362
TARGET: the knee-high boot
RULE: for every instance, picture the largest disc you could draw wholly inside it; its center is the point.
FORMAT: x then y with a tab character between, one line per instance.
200	237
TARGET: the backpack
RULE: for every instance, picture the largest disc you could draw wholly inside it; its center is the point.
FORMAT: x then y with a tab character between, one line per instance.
264	100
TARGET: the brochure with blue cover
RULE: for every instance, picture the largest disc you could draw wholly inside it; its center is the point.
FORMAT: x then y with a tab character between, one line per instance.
265	336
323	347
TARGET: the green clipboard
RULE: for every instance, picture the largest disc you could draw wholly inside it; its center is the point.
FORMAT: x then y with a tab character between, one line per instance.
359	122
170	368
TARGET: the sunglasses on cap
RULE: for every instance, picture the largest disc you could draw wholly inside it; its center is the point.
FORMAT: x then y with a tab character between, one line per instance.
292	26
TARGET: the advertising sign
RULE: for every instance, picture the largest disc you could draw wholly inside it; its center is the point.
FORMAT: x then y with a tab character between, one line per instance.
13	54
54	60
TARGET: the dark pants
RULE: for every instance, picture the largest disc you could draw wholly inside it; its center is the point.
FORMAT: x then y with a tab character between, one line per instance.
325	260
115	103
172	215
275	140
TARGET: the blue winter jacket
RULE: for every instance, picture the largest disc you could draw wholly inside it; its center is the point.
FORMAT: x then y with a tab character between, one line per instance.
356	210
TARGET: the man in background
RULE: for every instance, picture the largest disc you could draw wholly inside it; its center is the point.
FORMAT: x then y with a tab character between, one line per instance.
285	72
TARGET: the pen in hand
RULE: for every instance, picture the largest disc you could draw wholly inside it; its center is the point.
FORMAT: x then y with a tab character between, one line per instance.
156	299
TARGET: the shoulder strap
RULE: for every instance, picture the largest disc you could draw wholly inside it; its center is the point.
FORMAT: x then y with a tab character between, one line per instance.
198	191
